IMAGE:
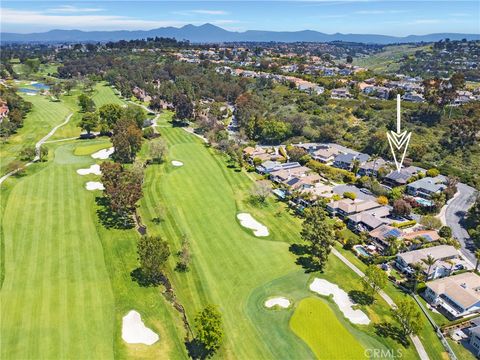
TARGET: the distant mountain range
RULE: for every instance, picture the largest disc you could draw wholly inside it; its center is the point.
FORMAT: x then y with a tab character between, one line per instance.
209	33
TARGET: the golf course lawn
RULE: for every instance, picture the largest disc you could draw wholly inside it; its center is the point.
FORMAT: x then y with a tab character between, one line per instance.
56	298
318	326
199	200
38	123
104	94
230	266
67	279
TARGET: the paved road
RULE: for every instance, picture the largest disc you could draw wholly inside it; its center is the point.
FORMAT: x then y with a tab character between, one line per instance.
415	339
455	214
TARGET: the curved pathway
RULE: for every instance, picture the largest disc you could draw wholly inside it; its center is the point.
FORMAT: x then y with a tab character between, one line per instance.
38	145
415	339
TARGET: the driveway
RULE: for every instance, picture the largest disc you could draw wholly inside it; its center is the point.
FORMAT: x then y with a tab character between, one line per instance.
455	215
340	189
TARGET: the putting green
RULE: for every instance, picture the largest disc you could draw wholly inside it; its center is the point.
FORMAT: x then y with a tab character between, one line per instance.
90	147
316	324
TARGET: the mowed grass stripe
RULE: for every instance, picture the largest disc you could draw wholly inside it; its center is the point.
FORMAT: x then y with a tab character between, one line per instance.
69	283
228	262
104	94
63	293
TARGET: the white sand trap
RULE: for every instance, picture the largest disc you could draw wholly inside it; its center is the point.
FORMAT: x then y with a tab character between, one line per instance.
326	288
250	223
278	301
177	163
134	330
103	154
94	185
94	169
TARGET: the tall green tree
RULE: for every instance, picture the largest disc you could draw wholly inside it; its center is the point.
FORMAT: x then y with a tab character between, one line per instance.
86	103
123	187
477	257
89	122
375	280
135	113
126	139
429	261
158	150
153	254
319	234
408	316
208	328
69	85
109	115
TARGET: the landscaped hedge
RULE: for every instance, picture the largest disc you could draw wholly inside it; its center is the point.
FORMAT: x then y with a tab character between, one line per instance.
404	225
331	173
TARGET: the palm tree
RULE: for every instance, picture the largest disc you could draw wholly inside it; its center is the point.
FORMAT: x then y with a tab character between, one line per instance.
451	265
417	275
430	261
477	256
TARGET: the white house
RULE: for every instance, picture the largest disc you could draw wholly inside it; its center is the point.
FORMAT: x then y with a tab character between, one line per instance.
457	295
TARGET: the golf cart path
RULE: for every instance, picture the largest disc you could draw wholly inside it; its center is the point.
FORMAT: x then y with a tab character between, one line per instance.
38	145
415	339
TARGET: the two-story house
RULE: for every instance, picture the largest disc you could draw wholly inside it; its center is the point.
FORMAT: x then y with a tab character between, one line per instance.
457	295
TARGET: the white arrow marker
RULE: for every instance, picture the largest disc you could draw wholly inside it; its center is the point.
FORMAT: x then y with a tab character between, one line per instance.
399	139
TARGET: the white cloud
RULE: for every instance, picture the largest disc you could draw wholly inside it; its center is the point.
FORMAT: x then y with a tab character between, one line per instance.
82	21
72	9
378	12
426	21
210	12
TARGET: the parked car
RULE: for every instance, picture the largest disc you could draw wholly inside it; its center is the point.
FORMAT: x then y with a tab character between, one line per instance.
458	267
408	271
366	191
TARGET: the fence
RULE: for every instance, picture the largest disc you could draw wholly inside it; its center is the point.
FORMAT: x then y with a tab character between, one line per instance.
444	341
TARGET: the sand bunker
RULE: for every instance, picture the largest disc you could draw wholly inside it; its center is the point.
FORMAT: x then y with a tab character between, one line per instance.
94	185
278	301
177	163
250	223
326	288
94	169
103	154
134	330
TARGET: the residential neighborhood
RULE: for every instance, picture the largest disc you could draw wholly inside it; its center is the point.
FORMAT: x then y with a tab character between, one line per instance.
251	180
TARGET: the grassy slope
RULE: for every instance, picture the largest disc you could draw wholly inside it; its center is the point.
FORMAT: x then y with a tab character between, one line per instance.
314	322
67	278
228	262
104	94
43	117
56	289
387	60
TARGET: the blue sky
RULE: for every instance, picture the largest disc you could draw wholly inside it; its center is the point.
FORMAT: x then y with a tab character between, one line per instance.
374	17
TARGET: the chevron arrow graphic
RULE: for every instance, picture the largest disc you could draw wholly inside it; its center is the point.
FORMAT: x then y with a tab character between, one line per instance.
398	140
